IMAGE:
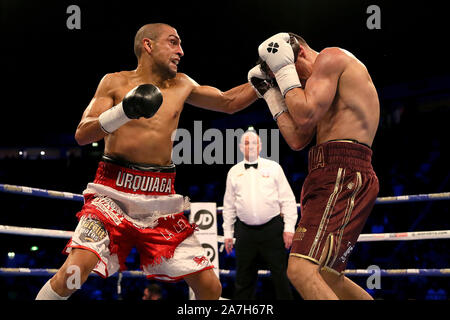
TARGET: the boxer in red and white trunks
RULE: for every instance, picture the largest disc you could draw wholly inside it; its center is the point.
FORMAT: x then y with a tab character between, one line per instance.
329	95
132	201
130	205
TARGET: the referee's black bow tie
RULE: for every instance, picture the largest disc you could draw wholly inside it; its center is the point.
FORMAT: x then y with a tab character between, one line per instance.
248	165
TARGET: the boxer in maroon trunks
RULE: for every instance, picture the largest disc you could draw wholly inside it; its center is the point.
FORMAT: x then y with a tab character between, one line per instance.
341	185
328	95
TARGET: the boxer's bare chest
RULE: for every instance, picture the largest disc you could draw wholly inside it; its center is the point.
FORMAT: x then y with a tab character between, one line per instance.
149	140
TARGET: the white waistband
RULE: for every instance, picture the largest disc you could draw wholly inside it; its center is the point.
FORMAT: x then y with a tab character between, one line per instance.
142	210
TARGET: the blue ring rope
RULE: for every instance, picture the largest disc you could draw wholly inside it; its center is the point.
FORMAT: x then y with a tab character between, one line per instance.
232	273
40	192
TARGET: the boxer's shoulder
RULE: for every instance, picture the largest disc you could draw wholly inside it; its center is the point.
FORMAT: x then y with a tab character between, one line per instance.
334	52
115	79
331	61
120	76
334	56
184	80
181	83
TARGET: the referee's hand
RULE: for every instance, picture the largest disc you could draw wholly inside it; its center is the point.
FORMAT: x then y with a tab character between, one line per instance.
228	245
287	238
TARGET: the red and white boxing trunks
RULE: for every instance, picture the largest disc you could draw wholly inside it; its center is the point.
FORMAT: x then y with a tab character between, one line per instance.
129	206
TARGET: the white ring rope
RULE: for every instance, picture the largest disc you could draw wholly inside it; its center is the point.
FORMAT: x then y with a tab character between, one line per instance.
29	191
398	236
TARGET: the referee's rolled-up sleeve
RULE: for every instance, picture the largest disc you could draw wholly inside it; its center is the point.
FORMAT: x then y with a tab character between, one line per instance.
229	209
288	205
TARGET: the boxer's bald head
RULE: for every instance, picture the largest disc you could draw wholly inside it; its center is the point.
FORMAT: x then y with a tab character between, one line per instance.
158	49
151	31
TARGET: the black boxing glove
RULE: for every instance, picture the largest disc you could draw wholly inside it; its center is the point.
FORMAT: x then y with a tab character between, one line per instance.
259	80
266	88
142	101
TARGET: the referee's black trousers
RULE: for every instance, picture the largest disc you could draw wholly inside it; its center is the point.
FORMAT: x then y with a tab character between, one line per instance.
263	242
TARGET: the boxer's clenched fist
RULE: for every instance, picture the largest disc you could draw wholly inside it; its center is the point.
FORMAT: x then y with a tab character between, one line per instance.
141	101
267	89
259	80
277	52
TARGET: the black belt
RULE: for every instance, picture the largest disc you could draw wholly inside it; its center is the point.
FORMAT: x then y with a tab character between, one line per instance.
138	166
349	140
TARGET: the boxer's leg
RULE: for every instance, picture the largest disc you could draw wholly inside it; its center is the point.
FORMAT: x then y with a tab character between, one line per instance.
306	278
205	284
343	287
79	262
89	243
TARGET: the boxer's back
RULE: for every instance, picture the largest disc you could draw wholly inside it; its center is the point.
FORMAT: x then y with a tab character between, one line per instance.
147	140
354	113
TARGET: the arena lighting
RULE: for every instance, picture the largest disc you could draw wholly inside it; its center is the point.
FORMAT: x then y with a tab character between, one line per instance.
20	153
11	255
95	144
42	153
34	248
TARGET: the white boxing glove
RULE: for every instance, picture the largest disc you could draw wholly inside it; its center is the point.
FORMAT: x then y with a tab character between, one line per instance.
278	54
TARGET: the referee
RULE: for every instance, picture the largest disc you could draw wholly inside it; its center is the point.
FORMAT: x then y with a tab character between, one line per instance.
261	212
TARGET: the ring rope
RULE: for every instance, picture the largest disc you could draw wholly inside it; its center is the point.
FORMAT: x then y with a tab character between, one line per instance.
40	192
78	197
38	232
231	273
438	234
397	236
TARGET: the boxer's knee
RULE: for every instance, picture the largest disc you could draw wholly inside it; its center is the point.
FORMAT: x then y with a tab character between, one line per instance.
215	289
331	277
74	272
211	290
59	283
206	285
300	270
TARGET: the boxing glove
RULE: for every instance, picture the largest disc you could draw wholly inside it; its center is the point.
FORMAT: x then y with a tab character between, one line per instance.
259	80
278	53
267	89
142	101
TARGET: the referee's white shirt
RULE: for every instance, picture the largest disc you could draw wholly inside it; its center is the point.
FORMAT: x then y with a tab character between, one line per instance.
256	196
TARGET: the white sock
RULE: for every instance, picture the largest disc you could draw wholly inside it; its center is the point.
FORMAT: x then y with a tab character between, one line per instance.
47	293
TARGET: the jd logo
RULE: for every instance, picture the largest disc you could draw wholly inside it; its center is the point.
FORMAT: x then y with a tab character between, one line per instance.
204	219
210	252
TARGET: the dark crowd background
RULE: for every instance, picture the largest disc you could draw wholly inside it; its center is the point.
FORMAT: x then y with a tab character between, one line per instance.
50	73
